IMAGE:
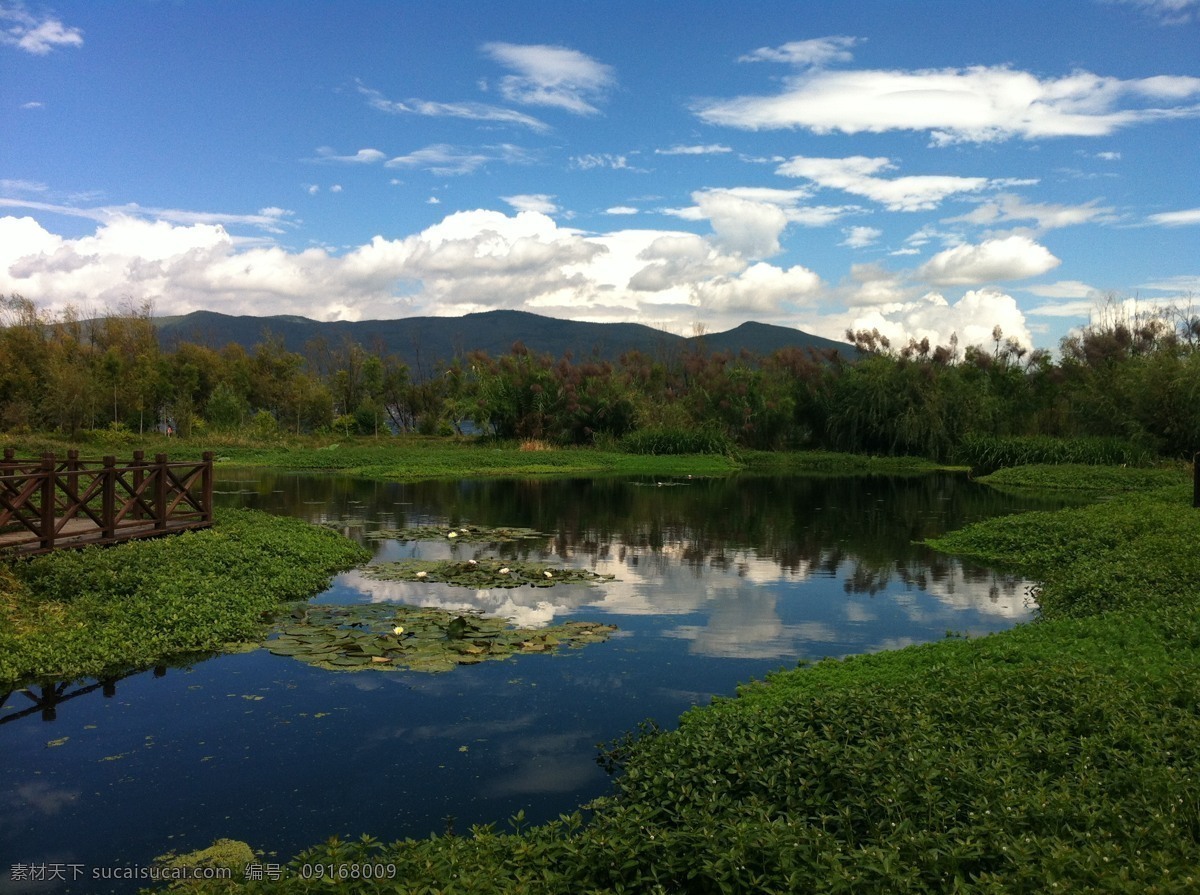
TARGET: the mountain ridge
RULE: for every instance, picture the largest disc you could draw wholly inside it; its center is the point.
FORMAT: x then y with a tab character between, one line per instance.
424	342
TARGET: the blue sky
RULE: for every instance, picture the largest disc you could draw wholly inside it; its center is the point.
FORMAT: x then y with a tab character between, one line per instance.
926	169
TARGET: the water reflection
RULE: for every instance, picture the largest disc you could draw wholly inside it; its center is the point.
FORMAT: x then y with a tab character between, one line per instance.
743	554
719	581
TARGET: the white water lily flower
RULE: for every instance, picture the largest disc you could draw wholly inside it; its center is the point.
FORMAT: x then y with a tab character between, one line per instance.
472	562
548	574
452	534
422	574
504	571
398	630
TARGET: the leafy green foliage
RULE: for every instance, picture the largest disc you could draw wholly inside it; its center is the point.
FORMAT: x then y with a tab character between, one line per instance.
92	611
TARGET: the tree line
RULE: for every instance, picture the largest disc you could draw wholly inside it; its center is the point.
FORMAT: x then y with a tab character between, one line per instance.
1133	376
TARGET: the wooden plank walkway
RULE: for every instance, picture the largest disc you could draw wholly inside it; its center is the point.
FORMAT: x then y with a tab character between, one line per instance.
50	504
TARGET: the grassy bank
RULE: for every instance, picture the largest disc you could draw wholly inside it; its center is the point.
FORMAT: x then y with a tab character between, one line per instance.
1061	756
415	457
96	611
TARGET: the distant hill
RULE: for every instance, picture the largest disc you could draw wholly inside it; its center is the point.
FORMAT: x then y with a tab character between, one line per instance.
424	342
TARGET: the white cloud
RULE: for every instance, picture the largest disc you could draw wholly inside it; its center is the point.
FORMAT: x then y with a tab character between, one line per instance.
932	317
270	220
603	160
744	226
33	105
621	209
709	149
1182	284
20	29
816	52
468	110
362	157
1009	258
552	76
790	202
861	237
445	161
539	202
1063	289
857	175
977	104
1183	218
1168	12
761	289
1007	207
1109	156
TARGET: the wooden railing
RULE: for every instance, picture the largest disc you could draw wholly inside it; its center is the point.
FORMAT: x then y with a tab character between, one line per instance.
48	504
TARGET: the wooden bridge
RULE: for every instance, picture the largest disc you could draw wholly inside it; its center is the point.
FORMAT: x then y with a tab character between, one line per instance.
50	504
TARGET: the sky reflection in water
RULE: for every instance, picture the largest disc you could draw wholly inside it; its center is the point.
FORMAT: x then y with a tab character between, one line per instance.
719	581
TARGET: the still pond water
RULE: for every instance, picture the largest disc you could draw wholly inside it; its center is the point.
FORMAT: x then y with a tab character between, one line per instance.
718	581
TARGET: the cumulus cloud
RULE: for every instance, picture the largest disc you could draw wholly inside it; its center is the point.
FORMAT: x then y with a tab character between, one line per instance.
552	76
977	104
861	237
1009	258
742	225
932	317
858	175
761	289
38	35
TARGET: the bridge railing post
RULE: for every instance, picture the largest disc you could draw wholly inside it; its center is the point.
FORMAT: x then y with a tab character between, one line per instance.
108	509
139	475
206	487
48	503
160	491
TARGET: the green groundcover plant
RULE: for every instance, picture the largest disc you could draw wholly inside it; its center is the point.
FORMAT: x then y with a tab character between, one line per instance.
97	611
1061	756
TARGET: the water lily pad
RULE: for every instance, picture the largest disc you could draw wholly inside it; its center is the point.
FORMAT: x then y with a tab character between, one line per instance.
483	573
351	638
479	534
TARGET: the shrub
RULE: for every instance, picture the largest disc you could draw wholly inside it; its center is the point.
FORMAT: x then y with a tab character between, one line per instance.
676	441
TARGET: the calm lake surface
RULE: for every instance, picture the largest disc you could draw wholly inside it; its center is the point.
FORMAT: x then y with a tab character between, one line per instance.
719	581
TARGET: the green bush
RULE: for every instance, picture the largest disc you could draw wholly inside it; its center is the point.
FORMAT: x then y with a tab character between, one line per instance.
985	454
676	441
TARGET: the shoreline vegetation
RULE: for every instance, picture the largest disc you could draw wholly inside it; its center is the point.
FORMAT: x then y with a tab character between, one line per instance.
1059	756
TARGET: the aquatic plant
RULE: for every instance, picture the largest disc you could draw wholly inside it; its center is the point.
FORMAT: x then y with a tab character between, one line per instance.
478	534
384	637
482	573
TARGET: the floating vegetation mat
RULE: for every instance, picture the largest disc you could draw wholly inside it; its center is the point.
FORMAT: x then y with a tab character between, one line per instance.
406	638
479	534
481	573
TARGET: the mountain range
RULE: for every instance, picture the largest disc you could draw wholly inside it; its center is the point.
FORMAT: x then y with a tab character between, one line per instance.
425	342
